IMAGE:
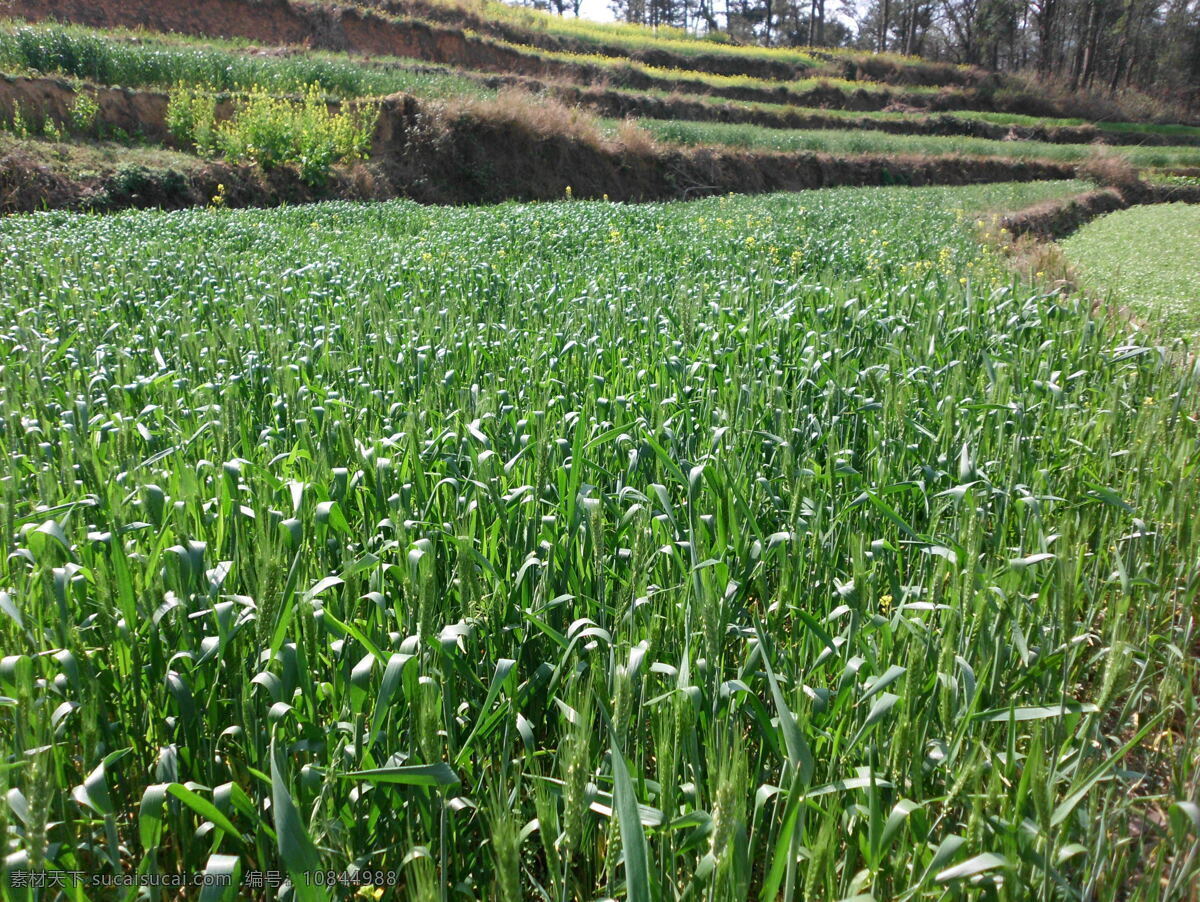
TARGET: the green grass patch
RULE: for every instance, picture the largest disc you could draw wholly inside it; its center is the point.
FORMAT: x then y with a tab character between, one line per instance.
895	116
1050	122
1146	258
1170	178
83	158
1152	127
786	542
838	141
138	60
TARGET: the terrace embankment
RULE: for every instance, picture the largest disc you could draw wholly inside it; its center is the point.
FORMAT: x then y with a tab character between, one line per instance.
1055	219
713	63
497	155
436	32
367	31
620	104
479	153
319	26
867	66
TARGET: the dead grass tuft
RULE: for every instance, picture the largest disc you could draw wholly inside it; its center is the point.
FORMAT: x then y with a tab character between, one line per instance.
1110	170
636	140
1041	262
363	183
537	114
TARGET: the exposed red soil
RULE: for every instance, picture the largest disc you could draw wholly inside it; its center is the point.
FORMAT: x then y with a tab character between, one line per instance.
141	113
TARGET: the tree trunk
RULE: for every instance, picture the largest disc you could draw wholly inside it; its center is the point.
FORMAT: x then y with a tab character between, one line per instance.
1131	13
706	13
1046	15
1093	38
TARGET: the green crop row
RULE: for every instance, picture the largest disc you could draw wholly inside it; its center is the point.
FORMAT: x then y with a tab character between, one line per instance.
116	59
1017	119
997	118
838	141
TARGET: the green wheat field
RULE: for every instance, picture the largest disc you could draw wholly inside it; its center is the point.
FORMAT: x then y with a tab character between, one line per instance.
784	547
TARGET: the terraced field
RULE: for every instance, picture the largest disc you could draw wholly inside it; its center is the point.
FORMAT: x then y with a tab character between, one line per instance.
481	82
